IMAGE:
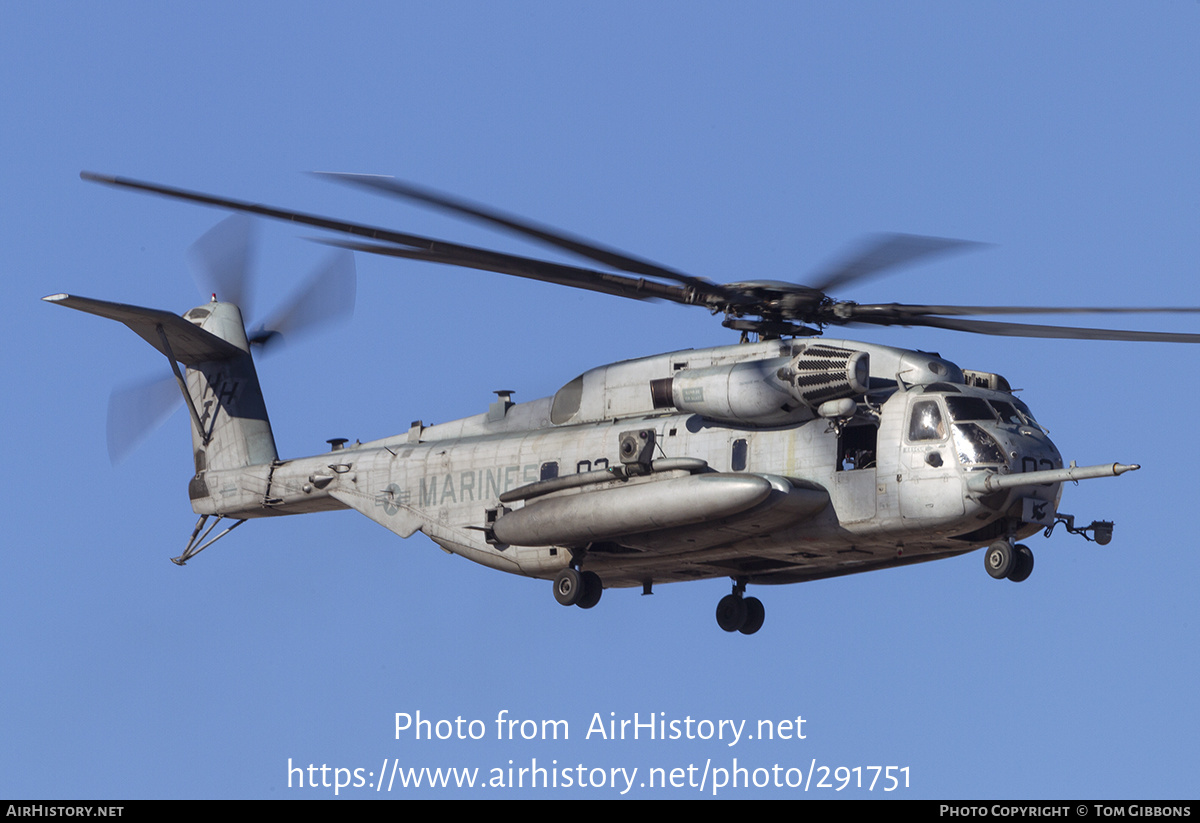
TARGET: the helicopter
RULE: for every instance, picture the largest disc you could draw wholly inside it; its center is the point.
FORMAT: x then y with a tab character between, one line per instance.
782	458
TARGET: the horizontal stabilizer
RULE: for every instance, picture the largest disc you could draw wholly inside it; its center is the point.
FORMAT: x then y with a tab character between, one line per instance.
189	344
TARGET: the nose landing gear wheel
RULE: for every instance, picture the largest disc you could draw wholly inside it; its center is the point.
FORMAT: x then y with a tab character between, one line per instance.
1000	559
1022	564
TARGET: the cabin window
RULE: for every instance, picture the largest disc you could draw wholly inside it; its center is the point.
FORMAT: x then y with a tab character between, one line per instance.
741	450
856	448
926	422
549	470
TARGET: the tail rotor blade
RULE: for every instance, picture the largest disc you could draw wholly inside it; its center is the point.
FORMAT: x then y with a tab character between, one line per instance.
327	296
136	411
221	261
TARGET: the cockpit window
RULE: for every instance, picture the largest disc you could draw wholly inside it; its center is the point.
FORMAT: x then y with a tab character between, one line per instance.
1025	411
926	422
974	445
1008	412
970	408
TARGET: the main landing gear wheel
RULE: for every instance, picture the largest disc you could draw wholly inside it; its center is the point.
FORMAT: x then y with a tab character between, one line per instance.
593	587
568	587
576	588
737	614
755	615
731	612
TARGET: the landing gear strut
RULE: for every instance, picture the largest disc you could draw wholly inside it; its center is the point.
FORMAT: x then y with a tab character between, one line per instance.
199	542
736	613
1004	560
575	588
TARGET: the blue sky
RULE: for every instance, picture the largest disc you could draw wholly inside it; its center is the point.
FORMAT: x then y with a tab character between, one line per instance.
733	143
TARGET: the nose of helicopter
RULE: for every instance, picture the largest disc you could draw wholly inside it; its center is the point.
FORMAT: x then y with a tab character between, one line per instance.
1033	450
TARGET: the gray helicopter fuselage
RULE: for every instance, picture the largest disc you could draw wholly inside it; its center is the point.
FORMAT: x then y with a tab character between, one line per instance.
738	482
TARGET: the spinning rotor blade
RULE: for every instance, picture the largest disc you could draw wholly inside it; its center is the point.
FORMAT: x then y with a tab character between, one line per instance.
438	251
527	267
221	260
342	226
1028	330
134	412
553	237
911	310
327	296
782	309
884	251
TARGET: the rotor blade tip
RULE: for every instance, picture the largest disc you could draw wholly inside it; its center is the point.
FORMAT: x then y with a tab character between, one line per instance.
351	175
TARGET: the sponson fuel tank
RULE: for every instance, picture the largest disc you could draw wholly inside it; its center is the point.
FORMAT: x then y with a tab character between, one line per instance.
639	508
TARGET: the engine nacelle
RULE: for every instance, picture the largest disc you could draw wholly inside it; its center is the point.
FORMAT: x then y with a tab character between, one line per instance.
775	391
821	372
750	393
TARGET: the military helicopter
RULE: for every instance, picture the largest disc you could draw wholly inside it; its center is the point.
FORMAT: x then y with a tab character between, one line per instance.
782	458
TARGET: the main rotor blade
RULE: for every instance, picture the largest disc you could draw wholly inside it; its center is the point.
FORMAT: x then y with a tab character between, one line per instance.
221	261
532	269
1028	330
327	296
902	310
438	251
554	237
884	251
287	215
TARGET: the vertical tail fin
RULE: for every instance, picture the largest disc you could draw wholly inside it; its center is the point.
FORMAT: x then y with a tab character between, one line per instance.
230	427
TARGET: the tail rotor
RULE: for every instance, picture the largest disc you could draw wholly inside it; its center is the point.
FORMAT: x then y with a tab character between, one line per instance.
222	265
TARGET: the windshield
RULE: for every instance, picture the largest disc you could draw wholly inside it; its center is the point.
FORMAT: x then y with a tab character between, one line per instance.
974	445
1021	407
970	408
1008	412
